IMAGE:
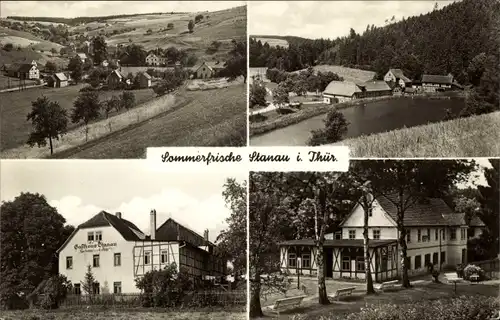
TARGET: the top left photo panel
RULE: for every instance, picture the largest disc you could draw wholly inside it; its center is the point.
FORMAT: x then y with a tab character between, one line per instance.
108	79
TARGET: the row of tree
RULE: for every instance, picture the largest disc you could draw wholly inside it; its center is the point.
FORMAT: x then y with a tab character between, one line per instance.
286	206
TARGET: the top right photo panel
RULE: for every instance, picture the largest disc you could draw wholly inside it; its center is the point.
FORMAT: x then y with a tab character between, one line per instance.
389	79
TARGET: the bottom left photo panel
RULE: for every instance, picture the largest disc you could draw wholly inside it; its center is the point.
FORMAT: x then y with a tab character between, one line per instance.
118	240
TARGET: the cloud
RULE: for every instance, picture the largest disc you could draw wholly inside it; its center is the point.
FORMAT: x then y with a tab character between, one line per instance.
196	214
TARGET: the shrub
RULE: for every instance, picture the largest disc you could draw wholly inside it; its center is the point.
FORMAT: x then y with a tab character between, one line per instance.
257	117
8	47
335	128
128	100
471	269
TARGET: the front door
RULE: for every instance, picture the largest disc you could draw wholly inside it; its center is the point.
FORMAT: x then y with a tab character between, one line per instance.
329	263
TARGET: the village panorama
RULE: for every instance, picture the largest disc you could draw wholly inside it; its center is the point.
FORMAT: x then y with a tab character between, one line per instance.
111	84
387	79
152	250
389	239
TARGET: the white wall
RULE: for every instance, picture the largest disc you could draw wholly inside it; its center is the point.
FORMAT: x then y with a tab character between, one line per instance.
378	221
155	249
389	77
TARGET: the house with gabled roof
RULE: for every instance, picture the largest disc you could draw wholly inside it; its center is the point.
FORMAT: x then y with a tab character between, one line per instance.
433	83
374	88
435	235
118	252
208	69
340	91
397	77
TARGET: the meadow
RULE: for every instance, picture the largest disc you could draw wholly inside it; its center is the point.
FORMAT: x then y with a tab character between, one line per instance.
273	42
15	106
349	74
463	137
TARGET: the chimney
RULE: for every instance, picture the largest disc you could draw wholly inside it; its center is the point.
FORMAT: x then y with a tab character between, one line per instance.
118	215
153	224
205	234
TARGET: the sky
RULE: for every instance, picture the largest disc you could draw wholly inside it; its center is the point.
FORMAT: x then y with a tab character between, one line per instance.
328	19
71	9
80	189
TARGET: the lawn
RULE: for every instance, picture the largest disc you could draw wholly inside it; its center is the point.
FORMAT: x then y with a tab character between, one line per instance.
476	136
83	314
10	82
310	309
209	118
15	106
349	74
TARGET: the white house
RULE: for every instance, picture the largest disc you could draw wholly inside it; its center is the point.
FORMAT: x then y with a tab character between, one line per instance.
153	60
119	252
433	83
436	235
341	91
207	70
397	76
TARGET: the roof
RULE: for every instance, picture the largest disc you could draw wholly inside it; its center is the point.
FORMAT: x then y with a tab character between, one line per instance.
342	88
117	73
215	64
410	90
171	230
339	243
82	55
145	74
398	73
24	67
127	229
428	212
60	76
374	85
431	78
476	222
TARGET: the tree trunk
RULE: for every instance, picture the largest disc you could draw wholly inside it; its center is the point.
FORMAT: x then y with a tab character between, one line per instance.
368	273
320	264
403	251
320	240
255	307
51	147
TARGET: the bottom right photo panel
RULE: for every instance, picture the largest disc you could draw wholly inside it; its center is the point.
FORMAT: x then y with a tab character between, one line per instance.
388	239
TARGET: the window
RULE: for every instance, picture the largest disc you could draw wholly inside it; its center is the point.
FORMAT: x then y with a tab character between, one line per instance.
117	287
376	234
464	256
292	260
360	264
164	256
427	259
429	235
96	261
463	235
443	257
419	235
435	258
408	261
383	262
118	259
453	234
338	235
436	234
408	235
418	262
306	261
147	257
346	263
370	211
470	232
352	234
98	236
76	288
69	262
90	236
96	288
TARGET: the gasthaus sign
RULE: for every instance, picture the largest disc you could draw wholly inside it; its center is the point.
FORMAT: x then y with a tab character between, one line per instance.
92	247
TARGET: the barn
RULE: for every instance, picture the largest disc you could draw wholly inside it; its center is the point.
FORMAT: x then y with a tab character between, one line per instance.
340	91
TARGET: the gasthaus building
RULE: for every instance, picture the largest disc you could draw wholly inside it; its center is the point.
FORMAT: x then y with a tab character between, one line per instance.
436	235
119	252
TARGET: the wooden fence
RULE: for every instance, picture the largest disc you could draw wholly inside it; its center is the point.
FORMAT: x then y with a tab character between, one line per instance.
133	300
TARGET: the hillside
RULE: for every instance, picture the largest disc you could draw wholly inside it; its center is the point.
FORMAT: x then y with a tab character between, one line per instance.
349	74
26	39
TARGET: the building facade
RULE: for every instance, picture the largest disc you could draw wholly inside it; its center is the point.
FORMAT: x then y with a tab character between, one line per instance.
153	60
434	83
397	77
118	252
435	235
340	91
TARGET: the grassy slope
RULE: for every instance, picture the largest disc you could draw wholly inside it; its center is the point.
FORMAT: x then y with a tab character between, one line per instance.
213	118
469	137
349	74
15	130
273	42
25	39
222	26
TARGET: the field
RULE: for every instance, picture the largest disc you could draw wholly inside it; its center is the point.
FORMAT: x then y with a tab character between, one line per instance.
349	74
9	82
465	137
273	42
26	39
15	130
210	118
79	314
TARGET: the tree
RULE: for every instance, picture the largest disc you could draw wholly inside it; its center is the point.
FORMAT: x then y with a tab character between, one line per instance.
113	103
232	241
149	32
128	99
50	67
51	291
237	64
100	51
257	94
336	127
31	232
49	121
198	18
490	206
76	68
191	26
404	183
170	26
280	96
86	108
88	283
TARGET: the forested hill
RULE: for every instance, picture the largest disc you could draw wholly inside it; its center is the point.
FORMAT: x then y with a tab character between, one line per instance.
440	42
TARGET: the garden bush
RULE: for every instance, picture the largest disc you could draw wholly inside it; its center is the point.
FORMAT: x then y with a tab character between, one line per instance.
460	308
473	269
257	117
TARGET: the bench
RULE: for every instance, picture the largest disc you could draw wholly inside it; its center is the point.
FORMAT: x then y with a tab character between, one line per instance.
342	292
286	303
452	278
385	285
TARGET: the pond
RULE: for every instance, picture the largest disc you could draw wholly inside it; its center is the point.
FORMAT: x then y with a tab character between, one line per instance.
367	118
